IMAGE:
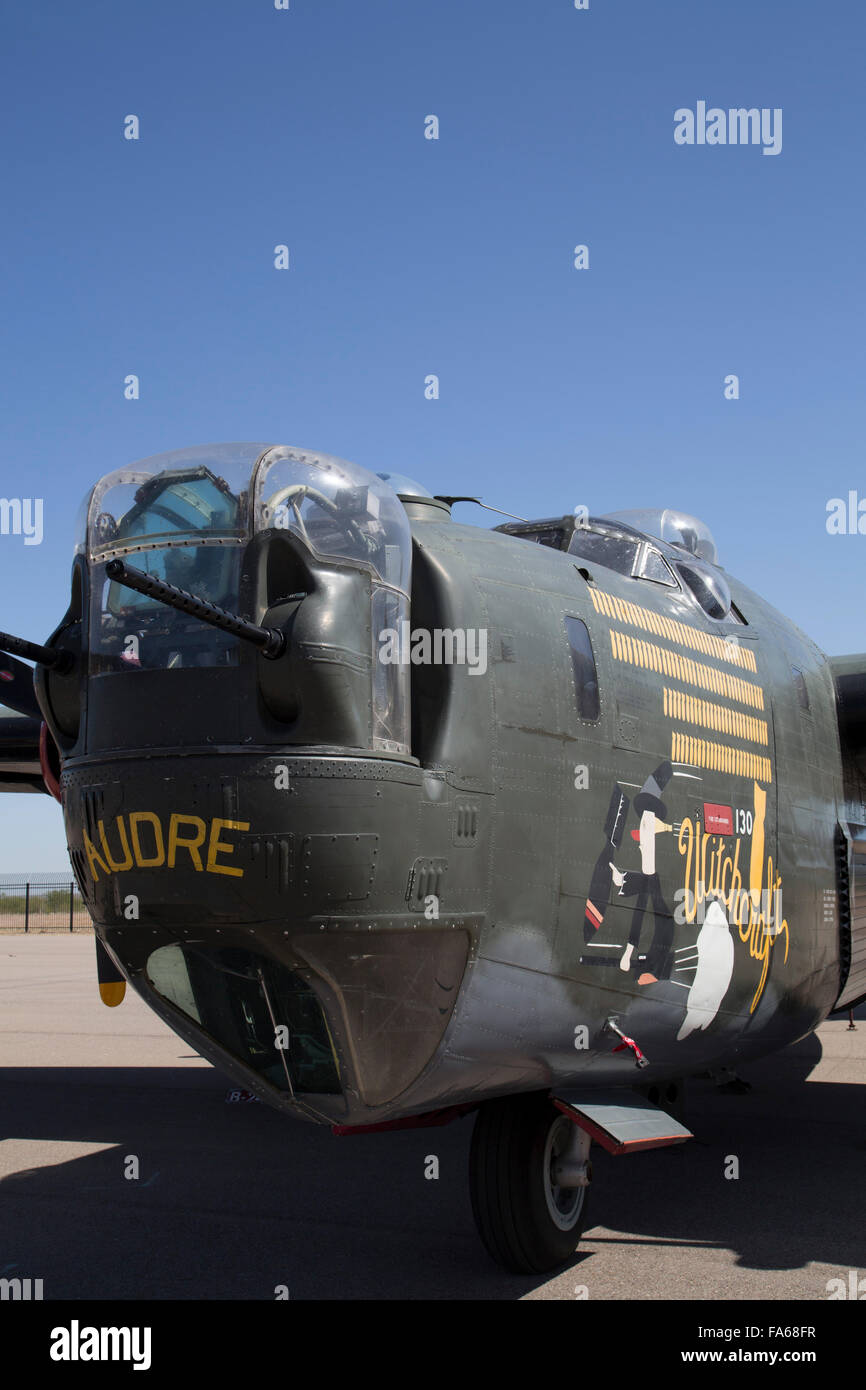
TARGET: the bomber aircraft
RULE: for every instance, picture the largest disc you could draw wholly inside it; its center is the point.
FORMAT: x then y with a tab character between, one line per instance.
395	819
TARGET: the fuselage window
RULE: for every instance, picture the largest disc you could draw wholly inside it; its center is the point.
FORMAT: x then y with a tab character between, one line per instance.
554	533
800	687
551	536
584	668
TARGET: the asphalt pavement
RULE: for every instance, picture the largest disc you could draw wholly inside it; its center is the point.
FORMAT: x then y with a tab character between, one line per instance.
233	1201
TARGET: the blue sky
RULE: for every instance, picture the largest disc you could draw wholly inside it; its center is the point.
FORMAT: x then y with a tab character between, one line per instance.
455	257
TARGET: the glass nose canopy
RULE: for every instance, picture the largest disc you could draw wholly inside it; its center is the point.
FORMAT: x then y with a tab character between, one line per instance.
186	517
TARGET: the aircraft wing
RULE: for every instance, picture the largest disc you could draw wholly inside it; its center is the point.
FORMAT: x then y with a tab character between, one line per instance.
25	745
20	769
20	727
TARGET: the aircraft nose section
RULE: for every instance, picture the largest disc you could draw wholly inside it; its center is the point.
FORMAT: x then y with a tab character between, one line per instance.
250	901
233	839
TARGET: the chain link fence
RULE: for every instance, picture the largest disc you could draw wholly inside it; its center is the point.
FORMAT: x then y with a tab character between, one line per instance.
41	903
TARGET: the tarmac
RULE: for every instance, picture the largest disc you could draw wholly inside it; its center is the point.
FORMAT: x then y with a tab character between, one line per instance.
233	1201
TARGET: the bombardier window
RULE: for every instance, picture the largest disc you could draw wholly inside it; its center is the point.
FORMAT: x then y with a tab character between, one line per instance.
584	668
239	998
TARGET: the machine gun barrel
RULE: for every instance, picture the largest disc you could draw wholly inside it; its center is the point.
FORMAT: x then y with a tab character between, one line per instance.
55	658
269	641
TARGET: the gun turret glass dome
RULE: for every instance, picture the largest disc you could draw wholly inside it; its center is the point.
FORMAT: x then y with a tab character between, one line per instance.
186	518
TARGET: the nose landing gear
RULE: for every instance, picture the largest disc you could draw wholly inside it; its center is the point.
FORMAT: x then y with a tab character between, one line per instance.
529	1178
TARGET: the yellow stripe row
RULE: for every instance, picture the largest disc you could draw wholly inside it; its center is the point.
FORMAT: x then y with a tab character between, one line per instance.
706	642
689	709
637	652
721	757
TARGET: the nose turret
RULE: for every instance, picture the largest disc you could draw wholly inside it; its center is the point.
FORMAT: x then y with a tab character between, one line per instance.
242	805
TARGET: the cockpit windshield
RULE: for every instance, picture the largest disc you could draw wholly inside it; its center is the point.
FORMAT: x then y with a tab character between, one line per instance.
674	527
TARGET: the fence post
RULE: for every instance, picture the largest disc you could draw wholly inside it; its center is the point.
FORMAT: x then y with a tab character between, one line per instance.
27	907
72	907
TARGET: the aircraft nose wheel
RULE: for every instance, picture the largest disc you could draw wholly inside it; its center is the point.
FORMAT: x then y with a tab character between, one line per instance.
529	1175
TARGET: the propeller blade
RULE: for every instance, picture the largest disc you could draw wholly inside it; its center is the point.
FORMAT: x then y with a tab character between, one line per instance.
112	985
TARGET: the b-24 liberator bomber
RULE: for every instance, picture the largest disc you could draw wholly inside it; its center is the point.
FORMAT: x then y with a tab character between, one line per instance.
395	819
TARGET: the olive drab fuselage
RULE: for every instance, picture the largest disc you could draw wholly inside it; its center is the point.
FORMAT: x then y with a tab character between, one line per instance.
646	828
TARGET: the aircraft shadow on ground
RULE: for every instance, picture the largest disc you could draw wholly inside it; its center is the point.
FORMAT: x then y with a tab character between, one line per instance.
800	1148
233	1200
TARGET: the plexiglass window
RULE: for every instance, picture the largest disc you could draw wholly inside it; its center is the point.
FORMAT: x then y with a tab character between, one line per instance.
615	552
653	566
708	588
187	518
584	668
343	513
182	517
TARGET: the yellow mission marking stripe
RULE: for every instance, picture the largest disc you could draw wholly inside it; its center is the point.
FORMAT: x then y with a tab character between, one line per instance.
668	663
689	709
634	615
720	757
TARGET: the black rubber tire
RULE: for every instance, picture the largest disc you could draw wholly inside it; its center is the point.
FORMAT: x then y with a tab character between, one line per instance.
506	1178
